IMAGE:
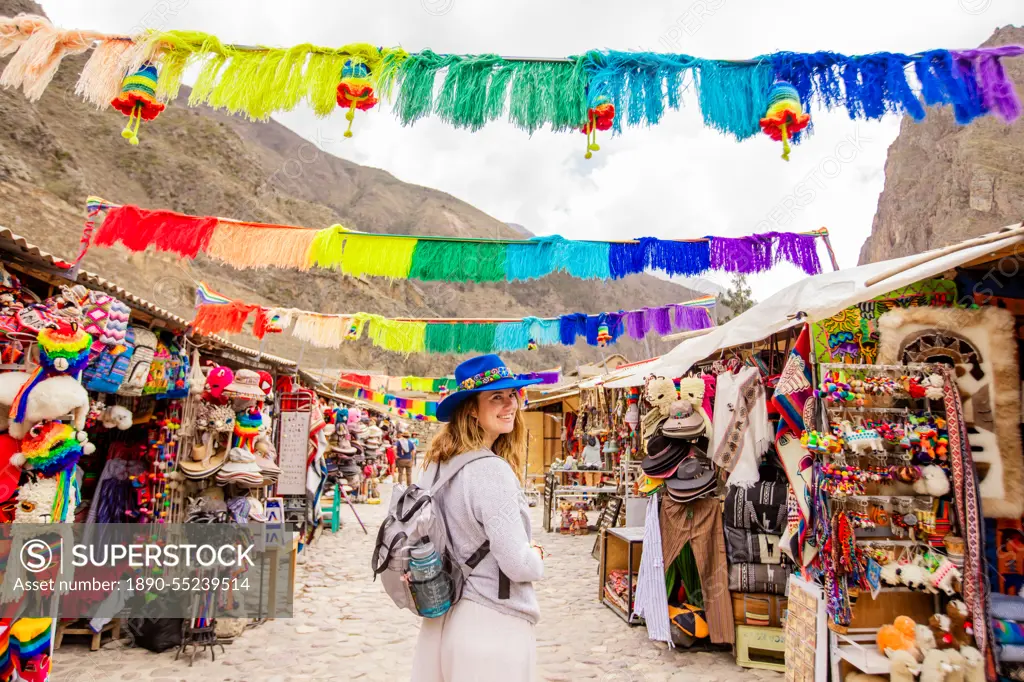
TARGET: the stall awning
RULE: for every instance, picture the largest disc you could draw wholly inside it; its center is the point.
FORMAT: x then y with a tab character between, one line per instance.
821	296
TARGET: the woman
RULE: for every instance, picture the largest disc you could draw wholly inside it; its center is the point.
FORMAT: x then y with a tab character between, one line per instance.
489	634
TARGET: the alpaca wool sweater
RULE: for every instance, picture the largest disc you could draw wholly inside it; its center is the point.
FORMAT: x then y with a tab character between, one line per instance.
485	503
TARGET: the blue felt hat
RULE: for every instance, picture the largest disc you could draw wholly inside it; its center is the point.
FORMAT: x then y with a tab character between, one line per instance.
483	373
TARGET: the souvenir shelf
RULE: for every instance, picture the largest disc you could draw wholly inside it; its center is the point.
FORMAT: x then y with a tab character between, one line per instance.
555	491
884	428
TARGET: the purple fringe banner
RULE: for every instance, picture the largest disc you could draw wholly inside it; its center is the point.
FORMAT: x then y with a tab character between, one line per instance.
758	253
552	377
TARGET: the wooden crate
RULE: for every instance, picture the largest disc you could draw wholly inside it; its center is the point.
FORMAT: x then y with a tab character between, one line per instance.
763	648
621	549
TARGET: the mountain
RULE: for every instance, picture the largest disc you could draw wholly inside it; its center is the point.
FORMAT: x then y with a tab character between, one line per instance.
945	182
57	151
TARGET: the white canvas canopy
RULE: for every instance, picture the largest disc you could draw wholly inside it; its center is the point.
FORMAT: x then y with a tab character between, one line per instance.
818	297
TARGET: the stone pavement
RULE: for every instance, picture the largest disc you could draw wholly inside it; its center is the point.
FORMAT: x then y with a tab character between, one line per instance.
345	628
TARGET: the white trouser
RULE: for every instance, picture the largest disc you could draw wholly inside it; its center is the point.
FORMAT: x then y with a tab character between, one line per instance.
473	643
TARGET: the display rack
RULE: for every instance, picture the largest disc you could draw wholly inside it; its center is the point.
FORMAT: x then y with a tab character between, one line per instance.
554	492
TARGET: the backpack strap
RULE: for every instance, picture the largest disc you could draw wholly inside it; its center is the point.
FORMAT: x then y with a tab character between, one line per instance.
504	584
454	466
441	480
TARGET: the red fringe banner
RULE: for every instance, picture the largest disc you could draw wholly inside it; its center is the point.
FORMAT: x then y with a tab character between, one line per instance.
217	318
138	229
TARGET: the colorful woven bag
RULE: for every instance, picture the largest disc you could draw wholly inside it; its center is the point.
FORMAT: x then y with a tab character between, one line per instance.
138	367
177	371
108	368
156	381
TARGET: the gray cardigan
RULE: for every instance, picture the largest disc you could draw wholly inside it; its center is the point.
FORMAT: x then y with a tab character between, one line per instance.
485	503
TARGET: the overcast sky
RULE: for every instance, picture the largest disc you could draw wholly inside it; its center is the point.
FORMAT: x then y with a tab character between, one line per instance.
677	179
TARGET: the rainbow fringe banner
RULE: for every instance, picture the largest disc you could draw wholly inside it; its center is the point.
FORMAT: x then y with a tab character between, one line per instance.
452	335
387	383
360	254
405	407
530	93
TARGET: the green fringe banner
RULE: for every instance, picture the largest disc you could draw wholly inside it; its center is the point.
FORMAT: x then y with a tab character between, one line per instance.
477	90
460	337
259	81
434	260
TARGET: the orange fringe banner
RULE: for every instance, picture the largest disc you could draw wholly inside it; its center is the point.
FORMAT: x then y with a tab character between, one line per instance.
223	317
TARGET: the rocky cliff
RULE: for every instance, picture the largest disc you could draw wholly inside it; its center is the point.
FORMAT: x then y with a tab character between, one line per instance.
945	183
57	151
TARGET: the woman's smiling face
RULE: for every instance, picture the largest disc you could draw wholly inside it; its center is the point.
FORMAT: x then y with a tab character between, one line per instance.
496	411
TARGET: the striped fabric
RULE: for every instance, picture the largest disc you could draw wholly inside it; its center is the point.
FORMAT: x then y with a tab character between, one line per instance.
651	601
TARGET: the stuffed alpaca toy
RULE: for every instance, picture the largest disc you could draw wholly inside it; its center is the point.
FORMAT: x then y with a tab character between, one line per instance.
900	636
36	501
940	625
925	639
959	623
890	574
63	353
49	399
936	666
933	482
944	577
974	664
956	662
117	417
933	385
915	577
902	666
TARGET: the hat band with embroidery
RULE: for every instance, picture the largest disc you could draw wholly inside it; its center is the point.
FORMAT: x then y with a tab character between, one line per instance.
488	377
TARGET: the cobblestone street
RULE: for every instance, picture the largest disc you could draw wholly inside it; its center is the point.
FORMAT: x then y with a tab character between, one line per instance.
346	629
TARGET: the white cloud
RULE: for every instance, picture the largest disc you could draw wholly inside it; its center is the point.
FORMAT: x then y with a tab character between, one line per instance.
678	179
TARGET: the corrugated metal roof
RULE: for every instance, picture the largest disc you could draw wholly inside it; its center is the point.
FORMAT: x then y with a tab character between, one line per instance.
16	244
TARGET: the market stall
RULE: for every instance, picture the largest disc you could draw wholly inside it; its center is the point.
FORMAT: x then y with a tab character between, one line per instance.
857	449
121	415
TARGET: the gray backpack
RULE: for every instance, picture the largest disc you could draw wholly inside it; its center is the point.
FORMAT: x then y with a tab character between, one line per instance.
415	518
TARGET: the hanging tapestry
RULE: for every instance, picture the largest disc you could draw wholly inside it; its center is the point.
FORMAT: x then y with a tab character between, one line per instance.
851	335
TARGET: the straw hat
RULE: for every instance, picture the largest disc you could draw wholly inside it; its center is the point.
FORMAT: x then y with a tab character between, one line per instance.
205	460
241	469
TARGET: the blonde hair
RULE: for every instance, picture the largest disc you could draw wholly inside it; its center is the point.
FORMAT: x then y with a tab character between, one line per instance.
462	433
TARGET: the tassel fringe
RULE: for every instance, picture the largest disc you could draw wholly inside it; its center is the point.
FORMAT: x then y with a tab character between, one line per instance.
246	246
138	229
100	80
220	318
322	331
